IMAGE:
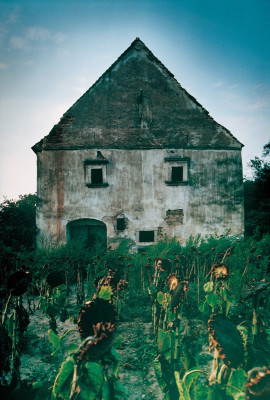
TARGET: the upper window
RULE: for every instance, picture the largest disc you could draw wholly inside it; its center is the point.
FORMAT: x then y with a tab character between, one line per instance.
177	174
95	173
177	171
121	224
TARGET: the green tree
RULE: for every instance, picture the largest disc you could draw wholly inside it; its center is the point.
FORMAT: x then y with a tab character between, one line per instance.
257	195
18	222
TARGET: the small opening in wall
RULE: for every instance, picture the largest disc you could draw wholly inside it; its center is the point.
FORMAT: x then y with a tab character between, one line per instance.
146	236
177	174
96	176
121	224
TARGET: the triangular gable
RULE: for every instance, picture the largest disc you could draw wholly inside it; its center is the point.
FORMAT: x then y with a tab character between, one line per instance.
137	104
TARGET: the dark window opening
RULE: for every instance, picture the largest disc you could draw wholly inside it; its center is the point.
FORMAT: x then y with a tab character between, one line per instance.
146	236
177	174
121	224
96	176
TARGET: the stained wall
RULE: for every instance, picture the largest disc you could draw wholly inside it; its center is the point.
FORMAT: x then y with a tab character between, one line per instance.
211	201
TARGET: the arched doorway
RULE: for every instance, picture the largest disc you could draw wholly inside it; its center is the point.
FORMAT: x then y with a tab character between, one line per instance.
91	232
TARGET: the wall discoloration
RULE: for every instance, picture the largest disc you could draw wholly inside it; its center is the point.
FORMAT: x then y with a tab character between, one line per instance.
174	217
211	202
60	180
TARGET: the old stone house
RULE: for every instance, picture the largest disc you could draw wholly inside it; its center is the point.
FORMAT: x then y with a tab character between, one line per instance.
137	157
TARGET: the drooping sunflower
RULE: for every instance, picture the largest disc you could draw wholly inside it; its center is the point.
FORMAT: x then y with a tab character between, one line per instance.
96	324
163	264
258	384
177	295
55	278
18	282
224	336
219	271
172	281
122	284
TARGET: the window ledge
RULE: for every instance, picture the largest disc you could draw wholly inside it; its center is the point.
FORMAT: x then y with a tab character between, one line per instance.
176	183
97	185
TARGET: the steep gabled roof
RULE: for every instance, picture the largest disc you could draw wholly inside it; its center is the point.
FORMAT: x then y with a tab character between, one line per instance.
137	104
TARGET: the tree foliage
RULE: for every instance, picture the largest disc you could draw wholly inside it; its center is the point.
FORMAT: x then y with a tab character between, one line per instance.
257	196
18	222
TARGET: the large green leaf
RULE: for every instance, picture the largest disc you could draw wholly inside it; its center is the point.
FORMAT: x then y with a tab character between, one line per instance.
201	392
54	339
236	382
71	348
182	388
165	343
105	391
119	390
158	371
160	297
213	300
226	294
239	396
115	361
208	287
203	307
62	383
190	377
92	377
105	292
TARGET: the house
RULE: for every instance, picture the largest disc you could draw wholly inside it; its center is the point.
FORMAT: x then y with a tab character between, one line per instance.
137	157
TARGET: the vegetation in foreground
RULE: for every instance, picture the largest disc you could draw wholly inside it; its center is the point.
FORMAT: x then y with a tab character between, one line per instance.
209	303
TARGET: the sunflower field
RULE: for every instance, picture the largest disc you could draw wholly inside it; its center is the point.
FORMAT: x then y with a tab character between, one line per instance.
171	321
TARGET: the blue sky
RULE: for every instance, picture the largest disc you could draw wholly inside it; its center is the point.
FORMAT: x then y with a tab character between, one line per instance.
51	52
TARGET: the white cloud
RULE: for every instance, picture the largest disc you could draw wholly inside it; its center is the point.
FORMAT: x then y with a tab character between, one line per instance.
58	37
38	33
218	84
3	65
13	16
34	35
26	63
81	90
18	42
251	100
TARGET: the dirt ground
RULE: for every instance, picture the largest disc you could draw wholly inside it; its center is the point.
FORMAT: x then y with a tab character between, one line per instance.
137	351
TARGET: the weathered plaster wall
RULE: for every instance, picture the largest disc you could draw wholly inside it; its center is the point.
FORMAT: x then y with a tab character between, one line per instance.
211	202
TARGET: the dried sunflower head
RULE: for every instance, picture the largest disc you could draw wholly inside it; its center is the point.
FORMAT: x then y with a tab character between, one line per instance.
219	271
258	384
148	266
110	278
172	281
162	264
18	282
252	289
97	320
55	278
122	285
224	336
178	294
